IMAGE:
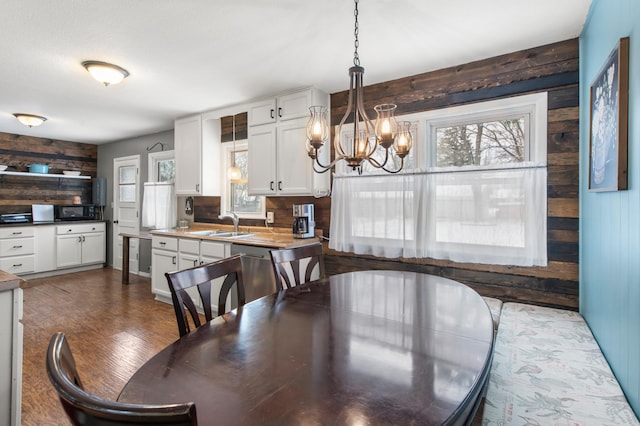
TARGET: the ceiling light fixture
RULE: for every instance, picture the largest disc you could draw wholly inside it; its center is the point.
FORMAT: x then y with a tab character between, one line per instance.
387	132
105	73
30	119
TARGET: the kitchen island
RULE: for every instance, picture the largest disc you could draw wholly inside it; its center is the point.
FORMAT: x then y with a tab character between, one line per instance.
178	249
10	348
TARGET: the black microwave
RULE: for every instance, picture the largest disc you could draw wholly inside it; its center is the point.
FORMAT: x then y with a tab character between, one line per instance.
75	212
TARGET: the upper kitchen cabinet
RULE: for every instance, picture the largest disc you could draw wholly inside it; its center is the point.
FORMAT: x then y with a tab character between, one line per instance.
197	148
285	107
278	161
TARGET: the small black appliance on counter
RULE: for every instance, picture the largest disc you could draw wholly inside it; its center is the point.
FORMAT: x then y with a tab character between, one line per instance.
15	218
75	212
303	221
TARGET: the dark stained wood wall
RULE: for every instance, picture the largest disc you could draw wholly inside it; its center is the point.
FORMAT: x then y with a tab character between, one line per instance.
552	68
17	193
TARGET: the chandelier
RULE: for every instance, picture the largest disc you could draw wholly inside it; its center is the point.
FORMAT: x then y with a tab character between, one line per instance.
386	132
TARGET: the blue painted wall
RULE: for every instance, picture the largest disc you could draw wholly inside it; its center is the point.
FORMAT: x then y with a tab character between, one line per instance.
610	221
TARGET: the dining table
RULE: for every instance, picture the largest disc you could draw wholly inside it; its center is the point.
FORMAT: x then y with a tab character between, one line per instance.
373	347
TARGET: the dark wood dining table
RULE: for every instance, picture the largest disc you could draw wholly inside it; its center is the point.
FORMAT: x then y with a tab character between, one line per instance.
359	348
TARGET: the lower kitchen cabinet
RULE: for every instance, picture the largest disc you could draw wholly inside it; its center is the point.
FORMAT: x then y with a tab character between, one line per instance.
17	250
164	258
81	244
11	335
170	254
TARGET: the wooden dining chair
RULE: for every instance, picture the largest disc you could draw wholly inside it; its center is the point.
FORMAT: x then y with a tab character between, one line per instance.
289	265
229	269
84	408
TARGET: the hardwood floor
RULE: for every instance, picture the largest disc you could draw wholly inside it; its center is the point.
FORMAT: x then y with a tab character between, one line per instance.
112	329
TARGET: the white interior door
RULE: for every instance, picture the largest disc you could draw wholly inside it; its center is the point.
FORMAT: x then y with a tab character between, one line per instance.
126	208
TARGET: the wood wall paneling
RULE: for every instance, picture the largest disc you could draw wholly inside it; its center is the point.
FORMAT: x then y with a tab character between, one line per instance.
18	193
552	68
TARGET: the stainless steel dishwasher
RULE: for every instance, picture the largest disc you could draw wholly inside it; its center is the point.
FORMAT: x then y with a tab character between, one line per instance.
257	272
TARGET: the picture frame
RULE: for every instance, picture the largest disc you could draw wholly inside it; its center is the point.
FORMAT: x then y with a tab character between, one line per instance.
608	122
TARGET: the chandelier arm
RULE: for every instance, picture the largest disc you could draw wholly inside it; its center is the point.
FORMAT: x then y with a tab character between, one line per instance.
323	168
395	171
336	140
362	113
375	163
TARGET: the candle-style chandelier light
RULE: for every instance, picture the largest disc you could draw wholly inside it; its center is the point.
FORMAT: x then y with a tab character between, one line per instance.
386	132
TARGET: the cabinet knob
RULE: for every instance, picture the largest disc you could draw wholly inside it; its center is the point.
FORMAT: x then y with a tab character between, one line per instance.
17	247
271	185
280	112
272	111
173	260
17	265
17	233
280	185
162	243
115	221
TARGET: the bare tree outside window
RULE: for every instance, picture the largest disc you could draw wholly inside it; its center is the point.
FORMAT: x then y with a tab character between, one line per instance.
481	144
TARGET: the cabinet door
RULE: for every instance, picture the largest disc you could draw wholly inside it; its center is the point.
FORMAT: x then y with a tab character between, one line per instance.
93	248
68	250
216	285
186	261
45	250
295	169
162	261
188	155
262	112
294	105
262	160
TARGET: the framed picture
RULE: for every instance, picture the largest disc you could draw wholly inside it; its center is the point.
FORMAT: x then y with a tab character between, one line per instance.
608	122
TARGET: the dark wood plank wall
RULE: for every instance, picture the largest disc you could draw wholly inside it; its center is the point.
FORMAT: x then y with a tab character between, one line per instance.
17	193
552	68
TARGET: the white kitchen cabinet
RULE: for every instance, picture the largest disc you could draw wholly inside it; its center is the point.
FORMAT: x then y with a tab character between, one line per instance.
17	250
11	334
197	147
192	253
45	252
81	244
278	160
285	107
164	258
279	163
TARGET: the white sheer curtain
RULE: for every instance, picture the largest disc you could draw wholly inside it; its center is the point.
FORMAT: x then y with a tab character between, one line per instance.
466	215
158	205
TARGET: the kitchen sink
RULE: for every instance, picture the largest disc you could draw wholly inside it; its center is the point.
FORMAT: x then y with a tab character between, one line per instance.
222	234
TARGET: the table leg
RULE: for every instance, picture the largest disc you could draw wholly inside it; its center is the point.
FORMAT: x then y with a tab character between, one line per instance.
125	260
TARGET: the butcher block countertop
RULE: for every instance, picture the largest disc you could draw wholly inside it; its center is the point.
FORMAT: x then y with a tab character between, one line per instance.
9	281
256	236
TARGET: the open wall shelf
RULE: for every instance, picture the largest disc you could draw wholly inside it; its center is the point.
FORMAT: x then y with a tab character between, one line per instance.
48	175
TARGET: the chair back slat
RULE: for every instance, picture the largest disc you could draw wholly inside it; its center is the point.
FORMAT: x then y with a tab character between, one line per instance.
85	409
229	269
288	265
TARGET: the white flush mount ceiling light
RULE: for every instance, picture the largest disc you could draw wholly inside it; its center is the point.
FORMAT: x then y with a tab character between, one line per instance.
105	73
30	119
362	146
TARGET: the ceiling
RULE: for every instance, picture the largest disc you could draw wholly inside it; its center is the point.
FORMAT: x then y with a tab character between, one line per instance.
188	56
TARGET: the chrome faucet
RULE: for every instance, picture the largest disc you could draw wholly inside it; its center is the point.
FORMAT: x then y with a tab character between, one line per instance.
234	217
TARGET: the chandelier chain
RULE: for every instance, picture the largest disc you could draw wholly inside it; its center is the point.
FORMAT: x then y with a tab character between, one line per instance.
356	43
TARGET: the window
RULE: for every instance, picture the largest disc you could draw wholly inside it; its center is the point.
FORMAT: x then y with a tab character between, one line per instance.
162	167
235	196
476	193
